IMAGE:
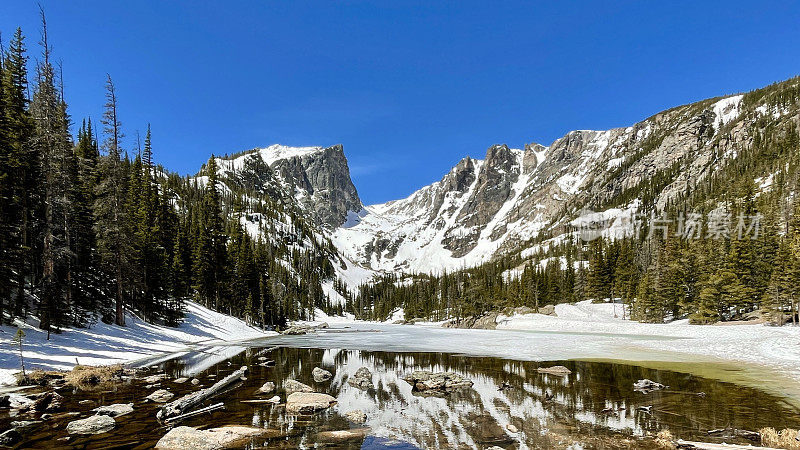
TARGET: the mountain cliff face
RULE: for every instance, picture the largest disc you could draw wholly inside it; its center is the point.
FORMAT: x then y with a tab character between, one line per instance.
513	199
316	179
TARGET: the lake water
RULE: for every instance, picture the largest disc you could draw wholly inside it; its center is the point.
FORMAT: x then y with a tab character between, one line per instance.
595	406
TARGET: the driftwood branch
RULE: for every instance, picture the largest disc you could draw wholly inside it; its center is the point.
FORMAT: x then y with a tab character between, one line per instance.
186	403
213	407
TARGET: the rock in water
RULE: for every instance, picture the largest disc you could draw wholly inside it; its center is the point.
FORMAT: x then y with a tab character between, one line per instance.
342	436
10	437
511	428
293	386
356	416
115	410
321	375
646	386
91	425
180	380
48	402
308	402
555	370
188	438
442	382
160	396
267	388
362	379
195	381
155	378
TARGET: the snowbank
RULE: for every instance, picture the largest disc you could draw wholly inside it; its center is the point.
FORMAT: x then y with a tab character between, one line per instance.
109	344
775	347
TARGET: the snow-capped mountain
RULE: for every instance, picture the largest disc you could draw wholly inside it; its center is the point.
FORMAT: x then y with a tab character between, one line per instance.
514	199
483	207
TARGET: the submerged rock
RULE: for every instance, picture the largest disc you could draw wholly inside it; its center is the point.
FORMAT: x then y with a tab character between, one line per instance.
342	436
308	402
188	438
22	424
321	375
160	396
195	381
115	410
443	382
646	386
292	386
356	416
91	425
554	370
362	379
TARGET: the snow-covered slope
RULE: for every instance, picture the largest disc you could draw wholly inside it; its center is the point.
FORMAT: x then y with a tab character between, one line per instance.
103	344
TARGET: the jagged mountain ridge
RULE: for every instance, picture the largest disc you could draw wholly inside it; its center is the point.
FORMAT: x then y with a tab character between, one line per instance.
505	202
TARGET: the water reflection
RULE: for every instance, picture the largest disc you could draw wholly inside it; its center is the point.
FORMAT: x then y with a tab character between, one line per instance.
510	404
595	401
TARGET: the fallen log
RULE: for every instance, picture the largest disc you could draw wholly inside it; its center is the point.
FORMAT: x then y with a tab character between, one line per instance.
211	408
690	445
187	402
735	432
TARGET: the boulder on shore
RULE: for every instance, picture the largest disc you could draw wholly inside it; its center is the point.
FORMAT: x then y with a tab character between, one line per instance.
92	425
362	379
320	375
486	321
188	438
441	382
292	386
547	310
308	402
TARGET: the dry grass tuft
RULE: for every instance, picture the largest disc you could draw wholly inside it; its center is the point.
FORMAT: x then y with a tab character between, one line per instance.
38	377
786	438
665	440
83	377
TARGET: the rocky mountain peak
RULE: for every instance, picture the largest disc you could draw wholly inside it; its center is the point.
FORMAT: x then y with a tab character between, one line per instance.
316	179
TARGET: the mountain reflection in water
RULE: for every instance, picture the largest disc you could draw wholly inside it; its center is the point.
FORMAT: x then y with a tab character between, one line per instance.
594	406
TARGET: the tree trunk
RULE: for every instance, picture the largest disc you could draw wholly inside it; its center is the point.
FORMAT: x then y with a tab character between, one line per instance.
120	311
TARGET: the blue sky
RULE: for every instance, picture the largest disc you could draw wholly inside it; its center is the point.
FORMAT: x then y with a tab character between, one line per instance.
409	88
